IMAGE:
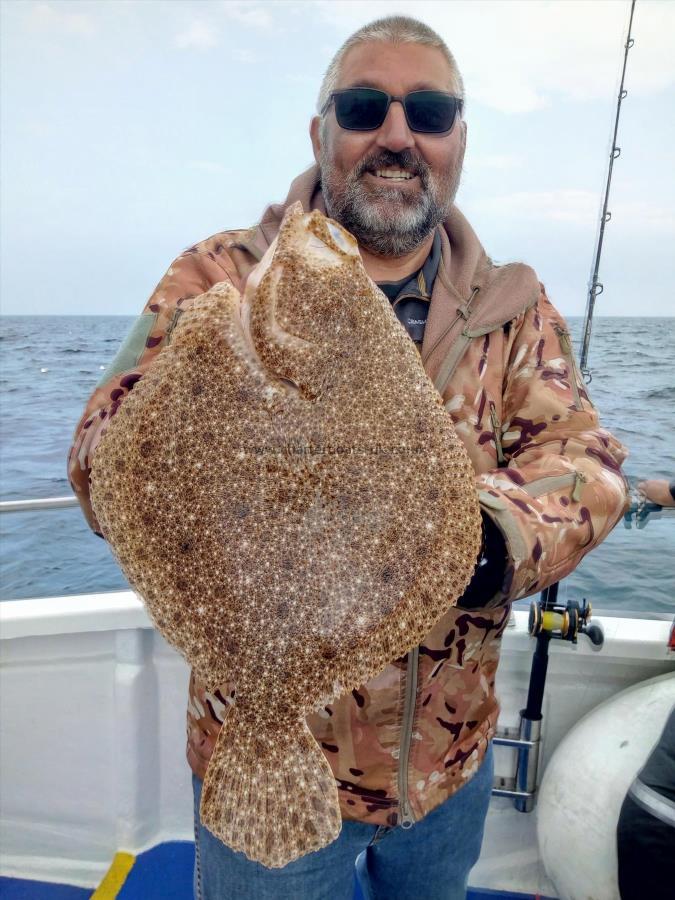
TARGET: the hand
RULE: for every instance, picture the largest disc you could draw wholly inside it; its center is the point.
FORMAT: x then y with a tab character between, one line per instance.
200	746
657	490
488	576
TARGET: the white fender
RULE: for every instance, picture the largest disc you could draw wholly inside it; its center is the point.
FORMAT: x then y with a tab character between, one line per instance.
585	783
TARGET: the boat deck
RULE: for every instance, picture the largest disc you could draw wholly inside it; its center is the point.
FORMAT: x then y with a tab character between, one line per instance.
161	873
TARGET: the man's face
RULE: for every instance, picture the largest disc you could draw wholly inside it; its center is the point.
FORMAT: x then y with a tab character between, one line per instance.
390	216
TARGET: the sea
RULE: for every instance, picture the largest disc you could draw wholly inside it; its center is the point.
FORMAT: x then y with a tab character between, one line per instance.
49	366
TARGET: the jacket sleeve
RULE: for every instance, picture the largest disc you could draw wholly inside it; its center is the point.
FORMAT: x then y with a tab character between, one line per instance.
190	275
561	489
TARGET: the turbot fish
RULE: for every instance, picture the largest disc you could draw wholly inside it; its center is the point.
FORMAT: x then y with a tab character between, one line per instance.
286	493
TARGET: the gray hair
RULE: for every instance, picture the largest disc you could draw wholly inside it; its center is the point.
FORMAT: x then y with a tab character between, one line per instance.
390	30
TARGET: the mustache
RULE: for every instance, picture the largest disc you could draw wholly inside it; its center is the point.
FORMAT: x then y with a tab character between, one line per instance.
386	159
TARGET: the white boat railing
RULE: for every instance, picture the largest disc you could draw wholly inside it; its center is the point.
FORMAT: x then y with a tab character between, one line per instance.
8	506
639	510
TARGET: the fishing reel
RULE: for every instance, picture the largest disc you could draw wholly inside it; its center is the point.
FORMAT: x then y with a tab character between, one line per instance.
564	621
642	510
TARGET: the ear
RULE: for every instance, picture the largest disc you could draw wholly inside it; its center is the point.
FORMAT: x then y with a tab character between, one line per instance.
465	128
462	143
314	133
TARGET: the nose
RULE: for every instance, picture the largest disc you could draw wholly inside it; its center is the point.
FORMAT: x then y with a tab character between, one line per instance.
394	133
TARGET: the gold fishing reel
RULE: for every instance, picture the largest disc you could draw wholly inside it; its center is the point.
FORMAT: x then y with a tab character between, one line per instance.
564	621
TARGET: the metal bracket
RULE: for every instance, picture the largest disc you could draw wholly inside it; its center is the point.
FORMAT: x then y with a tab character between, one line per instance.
523	786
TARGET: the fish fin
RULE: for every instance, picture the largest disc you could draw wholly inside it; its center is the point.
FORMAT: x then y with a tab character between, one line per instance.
269	793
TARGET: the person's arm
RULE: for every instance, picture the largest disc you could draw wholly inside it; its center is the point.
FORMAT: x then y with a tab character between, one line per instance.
659	491
561	491
190	275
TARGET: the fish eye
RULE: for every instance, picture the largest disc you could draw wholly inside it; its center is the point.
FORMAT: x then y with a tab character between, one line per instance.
340	237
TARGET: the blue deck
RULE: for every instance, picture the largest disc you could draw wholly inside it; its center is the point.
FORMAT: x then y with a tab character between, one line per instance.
162	873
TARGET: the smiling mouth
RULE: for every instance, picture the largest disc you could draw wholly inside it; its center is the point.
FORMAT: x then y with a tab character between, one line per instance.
393	174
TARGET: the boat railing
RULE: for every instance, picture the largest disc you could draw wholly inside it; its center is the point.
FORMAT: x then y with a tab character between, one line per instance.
638	512
9	506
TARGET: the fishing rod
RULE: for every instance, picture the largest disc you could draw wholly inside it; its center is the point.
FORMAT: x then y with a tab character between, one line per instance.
595	287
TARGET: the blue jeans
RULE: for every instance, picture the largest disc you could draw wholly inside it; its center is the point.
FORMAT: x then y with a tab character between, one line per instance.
431	860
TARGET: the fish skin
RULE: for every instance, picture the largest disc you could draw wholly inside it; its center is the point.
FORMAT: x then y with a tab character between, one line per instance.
259	488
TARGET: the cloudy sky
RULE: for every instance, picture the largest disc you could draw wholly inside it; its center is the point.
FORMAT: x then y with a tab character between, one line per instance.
133	129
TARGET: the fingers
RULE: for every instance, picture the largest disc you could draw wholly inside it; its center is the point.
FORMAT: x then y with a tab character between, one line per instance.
199	751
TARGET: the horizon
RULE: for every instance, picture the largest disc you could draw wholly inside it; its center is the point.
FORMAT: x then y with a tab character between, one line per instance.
133	130
134	315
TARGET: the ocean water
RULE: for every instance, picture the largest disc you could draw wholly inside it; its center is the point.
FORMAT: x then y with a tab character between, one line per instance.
50	364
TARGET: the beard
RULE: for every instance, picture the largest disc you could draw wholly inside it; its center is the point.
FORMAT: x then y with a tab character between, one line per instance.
385	219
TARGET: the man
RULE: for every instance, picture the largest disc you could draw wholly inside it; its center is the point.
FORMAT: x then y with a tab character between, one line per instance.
411	750
645	832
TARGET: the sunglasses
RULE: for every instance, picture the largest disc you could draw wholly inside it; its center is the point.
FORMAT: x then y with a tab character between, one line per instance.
365	109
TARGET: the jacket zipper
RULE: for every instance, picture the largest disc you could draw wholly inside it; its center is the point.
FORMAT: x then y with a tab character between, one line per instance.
566	347
440	338
496	427
177	313
451	362
555	482
407	817
579	480
248	247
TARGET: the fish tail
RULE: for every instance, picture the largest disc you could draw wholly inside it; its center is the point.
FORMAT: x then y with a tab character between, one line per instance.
269	792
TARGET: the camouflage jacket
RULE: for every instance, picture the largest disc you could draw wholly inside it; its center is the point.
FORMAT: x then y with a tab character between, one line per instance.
546	473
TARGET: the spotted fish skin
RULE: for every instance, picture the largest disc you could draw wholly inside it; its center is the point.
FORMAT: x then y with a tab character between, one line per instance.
283	451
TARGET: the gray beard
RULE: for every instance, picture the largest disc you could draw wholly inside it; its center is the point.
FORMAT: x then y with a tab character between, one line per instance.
402	225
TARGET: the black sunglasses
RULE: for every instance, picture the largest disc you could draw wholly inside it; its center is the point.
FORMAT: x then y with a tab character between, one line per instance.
365	109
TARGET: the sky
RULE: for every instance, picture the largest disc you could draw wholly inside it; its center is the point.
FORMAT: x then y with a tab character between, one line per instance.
131	129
